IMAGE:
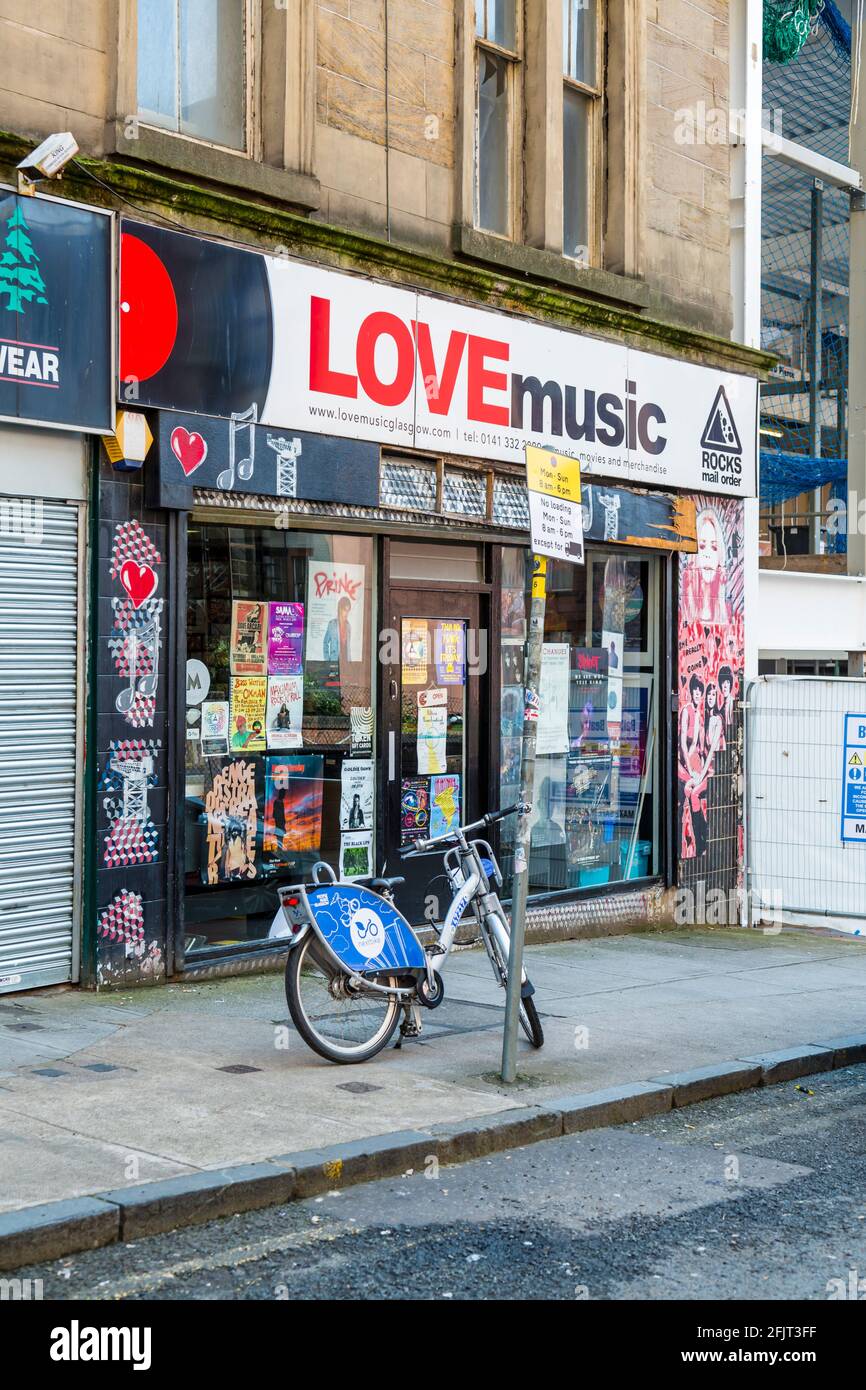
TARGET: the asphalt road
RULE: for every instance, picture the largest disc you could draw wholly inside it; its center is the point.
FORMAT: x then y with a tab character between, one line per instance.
757	1196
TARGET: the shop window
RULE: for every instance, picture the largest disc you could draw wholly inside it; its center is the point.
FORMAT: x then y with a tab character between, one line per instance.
192	64
596	805
280	767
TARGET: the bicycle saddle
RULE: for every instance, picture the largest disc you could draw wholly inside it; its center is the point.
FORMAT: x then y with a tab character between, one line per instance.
385	885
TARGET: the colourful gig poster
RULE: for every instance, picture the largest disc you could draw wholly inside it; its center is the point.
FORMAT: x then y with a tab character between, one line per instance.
285	712
449	653
444	804
248	652
231	818
247	730
414	809
415	654
285	639
215	728
293	803
335	612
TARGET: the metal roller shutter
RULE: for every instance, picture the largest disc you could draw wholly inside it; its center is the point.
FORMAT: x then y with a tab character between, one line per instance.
40	664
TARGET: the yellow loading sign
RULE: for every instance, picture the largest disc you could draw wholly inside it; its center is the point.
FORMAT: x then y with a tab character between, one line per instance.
555	515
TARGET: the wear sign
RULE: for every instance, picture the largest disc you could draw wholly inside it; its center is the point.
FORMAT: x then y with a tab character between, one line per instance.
225	332
854	779
55	314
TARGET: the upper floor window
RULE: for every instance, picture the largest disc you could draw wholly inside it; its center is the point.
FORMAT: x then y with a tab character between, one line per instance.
581	119
496	63
193	68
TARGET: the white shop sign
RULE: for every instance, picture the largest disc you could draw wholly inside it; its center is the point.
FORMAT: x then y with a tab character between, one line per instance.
362	360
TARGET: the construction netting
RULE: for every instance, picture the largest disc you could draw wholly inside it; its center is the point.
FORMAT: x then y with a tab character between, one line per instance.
805	242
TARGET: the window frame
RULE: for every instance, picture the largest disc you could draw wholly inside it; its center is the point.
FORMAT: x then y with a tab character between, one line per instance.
595	95
513	60
252	134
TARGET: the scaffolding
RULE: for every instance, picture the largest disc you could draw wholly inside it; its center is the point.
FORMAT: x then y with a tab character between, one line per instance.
804	291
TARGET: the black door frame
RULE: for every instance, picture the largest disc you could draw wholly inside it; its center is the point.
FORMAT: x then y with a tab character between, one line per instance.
479	732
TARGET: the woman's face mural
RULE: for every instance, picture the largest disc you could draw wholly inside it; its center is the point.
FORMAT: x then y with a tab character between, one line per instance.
709	548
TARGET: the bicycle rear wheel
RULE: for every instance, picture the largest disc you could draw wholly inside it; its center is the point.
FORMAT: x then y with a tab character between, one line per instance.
341	1024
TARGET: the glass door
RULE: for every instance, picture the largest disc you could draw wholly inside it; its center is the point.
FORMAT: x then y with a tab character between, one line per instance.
431	772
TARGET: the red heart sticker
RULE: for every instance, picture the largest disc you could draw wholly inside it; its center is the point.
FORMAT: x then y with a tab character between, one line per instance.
189	449
139	581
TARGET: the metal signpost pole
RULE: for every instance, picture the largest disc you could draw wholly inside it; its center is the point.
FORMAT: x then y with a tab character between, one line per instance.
556	526
531	681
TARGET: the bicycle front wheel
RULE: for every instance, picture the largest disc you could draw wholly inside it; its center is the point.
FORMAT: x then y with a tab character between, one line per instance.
341	1024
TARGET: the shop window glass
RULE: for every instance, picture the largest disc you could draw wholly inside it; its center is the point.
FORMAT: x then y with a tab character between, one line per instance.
595	815
280	768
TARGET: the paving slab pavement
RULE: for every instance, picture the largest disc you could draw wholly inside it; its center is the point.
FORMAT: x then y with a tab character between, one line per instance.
107	1091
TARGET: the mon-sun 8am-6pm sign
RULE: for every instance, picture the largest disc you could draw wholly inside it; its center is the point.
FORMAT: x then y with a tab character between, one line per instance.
56	329
217	330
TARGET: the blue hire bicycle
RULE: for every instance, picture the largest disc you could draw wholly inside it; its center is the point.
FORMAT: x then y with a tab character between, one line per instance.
355	964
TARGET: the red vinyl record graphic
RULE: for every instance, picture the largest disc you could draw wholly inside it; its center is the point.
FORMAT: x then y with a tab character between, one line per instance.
196	324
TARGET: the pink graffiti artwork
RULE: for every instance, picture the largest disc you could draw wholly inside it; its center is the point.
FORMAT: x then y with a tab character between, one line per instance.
711	655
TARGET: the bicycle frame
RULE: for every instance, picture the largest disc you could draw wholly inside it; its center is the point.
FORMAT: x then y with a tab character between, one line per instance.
473	875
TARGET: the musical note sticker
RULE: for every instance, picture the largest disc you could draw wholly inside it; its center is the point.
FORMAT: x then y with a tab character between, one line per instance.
240	420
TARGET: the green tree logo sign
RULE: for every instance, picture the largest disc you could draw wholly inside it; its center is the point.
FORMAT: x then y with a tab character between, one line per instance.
20	277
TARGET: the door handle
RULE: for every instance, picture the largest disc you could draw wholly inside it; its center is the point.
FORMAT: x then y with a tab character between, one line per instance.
393	689
392	758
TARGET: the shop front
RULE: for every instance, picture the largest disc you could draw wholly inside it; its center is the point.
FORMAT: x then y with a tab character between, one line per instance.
56	385
326	655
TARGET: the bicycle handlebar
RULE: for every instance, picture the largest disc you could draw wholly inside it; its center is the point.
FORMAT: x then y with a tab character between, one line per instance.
421	846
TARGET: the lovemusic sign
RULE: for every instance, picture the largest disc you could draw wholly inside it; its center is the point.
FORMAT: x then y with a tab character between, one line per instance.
217	330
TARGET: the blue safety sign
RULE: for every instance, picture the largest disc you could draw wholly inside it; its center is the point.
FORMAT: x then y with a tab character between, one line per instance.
854	778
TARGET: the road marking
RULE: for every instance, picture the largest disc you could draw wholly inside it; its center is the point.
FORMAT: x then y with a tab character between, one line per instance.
237	1255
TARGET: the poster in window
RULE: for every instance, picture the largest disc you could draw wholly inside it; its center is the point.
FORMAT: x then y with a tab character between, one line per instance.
335	612
285	639
356	801
589	701
293	804
215	728
444	804
512	662
431	738
414	809
361	729
356	853
449	653
231	819
248	652
514	614
415	652
249	698
552	734
285	712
